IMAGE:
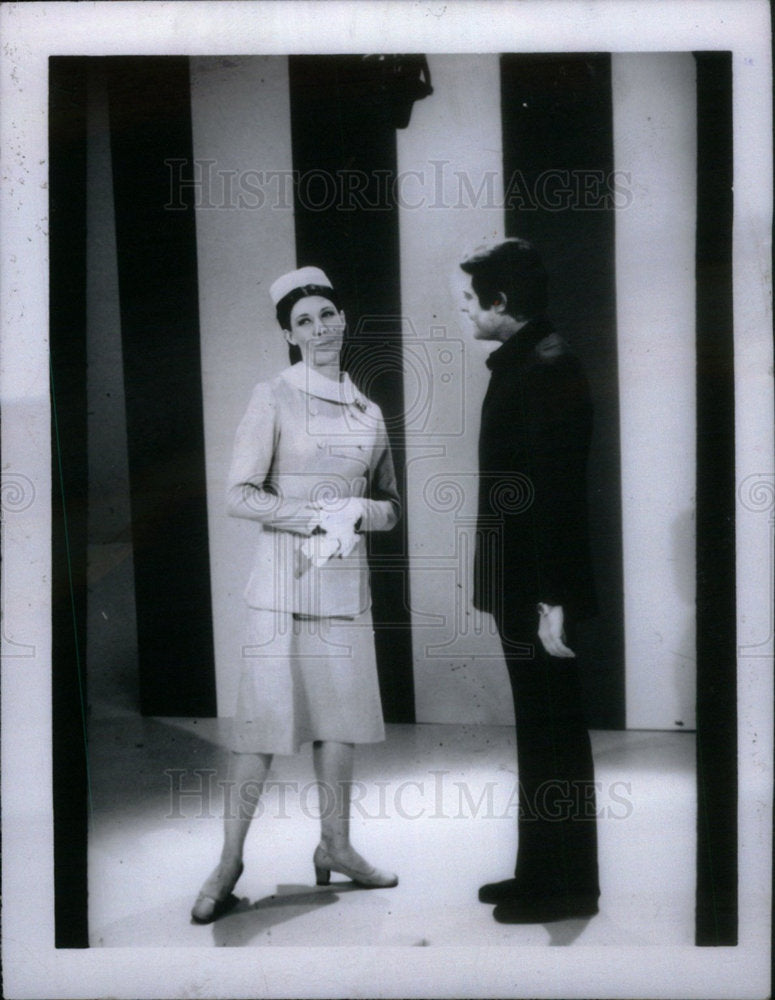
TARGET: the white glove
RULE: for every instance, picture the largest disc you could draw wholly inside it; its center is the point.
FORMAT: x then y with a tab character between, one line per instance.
339	516
317	550
339	536
341	520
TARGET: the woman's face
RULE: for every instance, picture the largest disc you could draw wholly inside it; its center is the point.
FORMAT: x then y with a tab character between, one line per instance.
317	329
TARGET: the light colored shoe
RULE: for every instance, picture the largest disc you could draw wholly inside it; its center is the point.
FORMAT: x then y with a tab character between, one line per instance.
215	898
372	878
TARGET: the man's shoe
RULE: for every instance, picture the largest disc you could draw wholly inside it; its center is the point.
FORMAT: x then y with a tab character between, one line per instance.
499	892
544	909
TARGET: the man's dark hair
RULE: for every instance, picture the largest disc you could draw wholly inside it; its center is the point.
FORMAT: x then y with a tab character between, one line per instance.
286	304
513	268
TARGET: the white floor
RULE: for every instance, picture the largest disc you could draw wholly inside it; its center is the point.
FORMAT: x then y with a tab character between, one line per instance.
435	803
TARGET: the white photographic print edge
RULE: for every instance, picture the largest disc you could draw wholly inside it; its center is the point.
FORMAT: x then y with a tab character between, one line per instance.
30	34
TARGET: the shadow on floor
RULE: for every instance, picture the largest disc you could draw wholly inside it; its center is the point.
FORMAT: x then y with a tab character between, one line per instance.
248	921
565	932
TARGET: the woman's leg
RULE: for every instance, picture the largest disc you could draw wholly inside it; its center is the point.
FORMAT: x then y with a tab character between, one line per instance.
242	790
334	769
243	787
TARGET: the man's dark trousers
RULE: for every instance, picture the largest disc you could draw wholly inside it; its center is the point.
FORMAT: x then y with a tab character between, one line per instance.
557	848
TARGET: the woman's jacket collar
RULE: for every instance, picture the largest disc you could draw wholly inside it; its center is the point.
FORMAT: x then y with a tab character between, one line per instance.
302	377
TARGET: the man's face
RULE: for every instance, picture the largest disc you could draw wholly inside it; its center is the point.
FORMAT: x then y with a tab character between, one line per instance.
488	324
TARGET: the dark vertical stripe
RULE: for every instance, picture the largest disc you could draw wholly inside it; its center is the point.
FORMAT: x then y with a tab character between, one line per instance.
558	165
150	122
344	150
67	289
716	628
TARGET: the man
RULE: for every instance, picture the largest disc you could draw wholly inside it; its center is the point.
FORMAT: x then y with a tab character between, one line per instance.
532	573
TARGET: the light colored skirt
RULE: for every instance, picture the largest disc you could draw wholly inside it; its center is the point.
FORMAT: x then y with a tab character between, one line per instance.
306	679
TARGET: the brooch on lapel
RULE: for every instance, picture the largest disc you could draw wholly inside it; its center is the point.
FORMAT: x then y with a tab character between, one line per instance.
359	403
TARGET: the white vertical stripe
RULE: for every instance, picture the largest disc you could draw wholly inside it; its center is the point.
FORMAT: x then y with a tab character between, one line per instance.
755	447
245	237
450	164
654	101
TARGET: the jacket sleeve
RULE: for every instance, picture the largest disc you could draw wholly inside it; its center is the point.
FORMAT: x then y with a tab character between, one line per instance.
249	492
383	505
560	430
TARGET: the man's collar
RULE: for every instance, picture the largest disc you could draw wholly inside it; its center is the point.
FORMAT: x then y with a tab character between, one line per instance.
519	346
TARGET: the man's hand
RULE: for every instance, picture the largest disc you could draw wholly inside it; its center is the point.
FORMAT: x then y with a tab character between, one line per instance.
551	632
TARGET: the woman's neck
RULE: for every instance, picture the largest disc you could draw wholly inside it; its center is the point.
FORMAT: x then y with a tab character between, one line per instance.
330	371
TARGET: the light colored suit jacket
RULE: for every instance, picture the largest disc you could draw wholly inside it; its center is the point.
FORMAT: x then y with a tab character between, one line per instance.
306	440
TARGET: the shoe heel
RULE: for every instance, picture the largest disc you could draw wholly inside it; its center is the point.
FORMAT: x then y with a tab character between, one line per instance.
322	875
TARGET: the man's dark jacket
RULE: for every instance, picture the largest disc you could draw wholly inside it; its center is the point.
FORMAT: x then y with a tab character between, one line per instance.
532	537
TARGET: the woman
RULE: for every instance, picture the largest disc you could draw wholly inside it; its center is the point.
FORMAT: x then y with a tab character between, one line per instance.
312	467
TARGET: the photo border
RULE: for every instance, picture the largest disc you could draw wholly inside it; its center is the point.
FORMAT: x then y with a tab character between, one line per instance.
30	34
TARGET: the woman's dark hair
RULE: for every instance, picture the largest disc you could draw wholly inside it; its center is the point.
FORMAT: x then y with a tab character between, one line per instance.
287	302
513	268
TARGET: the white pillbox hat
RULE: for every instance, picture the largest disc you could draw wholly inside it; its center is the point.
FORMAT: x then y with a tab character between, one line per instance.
296	279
